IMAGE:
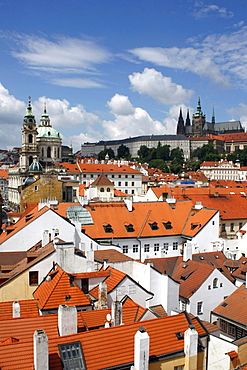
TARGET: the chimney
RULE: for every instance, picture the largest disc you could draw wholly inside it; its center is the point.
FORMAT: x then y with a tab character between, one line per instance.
16	310
190	348
45	238
116	313
105	263
102	301
141	354
198	206
187	253
67	320
40	350
65	255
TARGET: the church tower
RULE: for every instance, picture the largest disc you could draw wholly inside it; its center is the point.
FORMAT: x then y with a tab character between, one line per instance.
29	134
180	125
198	121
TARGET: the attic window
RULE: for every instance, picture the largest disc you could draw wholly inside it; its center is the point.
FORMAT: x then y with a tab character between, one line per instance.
168	225
180	335
184	266
71	356
216	256
153	225
67	297
201	258
244	262
129	228
224	304
108	228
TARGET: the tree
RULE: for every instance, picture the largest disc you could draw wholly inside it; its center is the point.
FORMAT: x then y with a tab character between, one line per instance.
143	152
160	164
123	152
106	151
202	152
178	155
163	152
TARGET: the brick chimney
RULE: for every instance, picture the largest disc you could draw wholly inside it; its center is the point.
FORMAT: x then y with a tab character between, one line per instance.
40	350
67	320
141	351
16	310
190	348
116	313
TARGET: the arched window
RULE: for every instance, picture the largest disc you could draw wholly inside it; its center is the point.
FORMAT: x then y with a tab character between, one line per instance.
108	190
58	152
49	152
42	152
30	138
102	190
30	160
215	283
55	152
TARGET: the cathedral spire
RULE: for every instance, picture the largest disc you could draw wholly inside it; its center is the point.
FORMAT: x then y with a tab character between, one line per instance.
213	117
180	125
187	122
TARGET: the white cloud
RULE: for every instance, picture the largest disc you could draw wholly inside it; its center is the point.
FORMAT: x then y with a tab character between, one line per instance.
132	121
161	88
10	107
204	11
76	82
240	111
199	61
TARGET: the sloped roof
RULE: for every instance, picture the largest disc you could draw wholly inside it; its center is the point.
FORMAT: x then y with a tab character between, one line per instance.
105	168
119	193
112	255
102	344
241	271
142	216
103	181
28	308
114	278
58	288
234	307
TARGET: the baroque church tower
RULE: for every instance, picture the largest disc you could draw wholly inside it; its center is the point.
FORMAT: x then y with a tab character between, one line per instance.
198	121
29	139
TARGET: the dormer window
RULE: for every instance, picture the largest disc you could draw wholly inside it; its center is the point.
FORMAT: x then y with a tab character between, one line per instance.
168	225
129	228
102	190
153	225
107	228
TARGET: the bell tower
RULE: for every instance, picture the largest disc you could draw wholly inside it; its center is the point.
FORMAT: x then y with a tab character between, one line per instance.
198	121
29	133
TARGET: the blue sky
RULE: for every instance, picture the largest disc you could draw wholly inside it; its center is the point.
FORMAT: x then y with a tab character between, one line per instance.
120	68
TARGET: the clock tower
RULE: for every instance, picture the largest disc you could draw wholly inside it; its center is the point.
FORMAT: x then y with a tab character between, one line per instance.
29	133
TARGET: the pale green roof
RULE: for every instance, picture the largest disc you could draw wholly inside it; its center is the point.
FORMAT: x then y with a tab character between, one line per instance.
47	131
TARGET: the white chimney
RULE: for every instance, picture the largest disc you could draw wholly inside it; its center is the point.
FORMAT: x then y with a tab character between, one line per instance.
141	354
16	310
116	313
190	348
198	206
45	238
187	253
40	350
67	320
65	255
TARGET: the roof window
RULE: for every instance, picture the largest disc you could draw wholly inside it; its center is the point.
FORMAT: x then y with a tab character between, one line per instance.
168	225
201	258
216	256
129	228
153	225
107	228
224	304
180	335
71	356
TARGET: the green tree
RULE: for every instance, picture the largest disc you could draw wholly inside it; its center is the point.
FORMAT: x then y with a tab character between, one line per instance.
160	164
123	152
202	152
163	152
178	155
104	152
143	152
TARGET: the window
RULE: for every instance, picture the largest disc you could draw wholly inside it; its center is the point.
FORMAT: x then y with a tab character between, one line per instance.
156	247
231	330
49	152
36	187
71	356
132	184
119	176
33	277
199	308
153	225
91	175
146	247
126	183
112	176
168	225
108	228
180	367
84	175
132	191
133	176
215	283
119	183
129	228
135	248
232	227
126	176
223	228
84	285
74	192
102	190
126	191
132	289
125	249
175	246
30	138
166	246
108	190
240	225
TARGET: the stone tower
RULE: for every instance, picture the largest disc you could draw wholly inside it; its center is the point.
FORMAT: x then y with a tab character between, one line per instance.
180	125
198	121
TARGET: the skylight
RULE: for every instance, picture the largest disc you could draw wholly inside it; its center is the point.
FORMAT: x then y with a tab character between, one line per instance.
79	213
71	356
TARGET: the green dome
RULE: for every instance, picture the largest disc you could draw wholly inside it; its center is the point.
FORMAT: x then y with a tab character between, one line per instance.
47	131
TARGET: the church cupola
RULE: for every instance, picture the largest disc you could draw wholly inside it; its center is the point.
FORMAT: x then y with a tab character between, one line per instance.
29	121
198	112
180	125
45	119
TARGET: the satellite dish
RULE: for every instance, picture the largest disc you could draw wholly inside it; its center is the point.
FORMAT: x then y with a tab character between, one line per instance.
108	317
107	325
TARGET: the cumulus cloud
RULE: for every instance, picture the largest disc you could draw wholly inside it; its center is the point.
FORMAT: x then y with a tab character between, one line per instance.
161	88
130	121
204	11
240	111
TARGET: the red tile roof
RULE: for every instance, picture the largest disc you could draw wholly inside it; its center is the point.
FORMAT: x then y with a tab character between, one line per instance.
114	278
28	308
105	168
234	307
58	288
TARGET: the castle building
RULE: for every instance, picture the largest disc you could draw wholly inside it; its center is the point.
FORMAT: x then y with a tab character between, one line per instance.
200	127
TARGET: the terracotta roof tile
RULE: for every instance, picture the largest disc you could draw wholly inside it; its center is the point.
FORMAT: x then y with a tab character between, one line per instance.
58	288
111	255
234	307
102	180
111	281
28	308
